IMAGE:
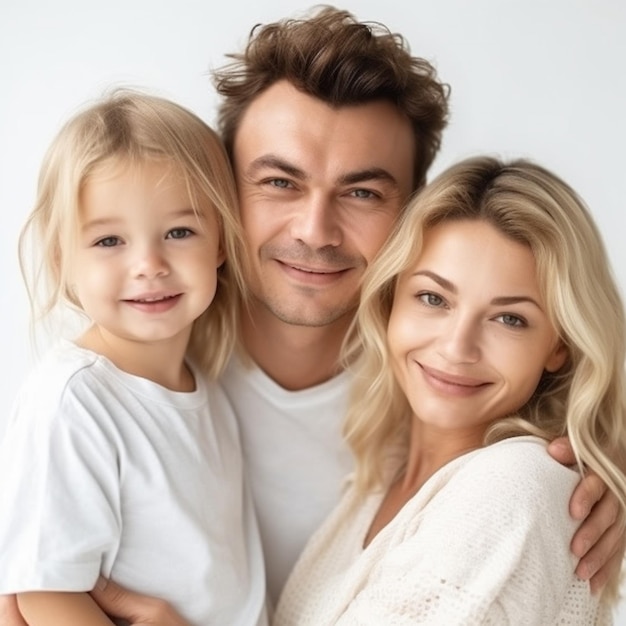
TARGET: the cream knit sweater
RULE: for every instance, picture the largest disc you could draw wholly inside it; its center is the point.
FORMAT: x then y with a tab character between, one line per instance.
484	541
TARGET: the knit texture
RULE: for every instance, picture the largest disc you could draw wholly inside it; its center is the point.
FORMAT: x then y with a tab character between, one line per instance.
484	541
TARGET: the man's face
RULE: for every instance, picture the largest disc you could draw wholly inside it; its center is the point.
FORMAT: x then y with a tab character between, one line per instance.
319	188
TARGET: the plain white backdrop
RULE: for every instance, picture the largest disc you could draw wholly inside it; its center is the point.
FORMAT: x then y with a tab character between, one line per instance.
529	78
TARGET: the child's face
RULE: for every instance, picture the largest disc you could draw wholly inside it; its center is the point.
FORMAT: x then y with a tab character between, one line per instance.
145	265
469	334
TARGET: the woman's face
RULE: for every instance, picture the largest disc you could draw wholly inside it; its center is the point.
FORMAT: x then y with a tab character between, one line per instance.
469	334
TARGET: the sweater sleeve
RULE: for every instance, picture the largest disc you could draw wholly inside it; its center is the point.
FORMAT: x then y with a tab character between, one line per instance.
490	546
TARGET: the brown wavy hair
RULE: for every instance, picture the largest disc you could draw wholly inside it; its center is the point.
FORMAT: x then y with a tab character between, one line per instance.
333	57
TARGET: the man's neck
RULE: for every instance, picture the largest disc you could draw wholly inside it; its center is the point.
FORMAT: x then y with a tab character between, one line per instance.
295	357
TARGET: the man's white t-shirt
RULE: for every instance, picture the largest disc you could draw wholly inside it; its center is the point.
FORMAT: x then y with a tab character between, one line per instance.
102	472
295	455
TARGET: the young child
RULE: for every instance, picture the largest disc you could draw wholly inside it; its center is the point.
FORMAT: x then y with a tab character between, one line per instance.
120	458
490	323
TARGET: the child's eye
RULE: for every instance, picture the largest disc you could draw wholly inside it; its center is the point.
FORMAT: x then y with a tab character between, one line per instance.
512	320
179	233
431	299
108	242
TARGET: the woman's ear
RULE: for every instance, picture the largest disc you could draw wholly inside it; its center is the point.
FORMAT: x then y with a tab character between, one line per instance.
221	255
556	359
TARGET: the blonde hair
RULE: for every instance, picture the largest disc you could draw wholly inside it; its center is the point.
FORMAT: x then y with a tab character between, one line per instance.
130	128
585	399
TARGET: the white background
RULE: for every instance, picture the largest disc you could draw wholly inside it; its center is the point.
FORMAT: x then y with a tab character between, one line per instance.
536	78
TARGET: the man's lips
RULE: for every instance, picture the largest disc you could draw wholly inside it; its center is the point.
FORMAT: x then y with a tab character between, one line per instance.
313	276
313	270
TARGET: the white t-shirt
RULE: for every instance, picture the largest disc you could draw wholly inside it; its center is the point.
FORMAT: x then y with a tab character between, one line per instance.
484	541
295	455
102	472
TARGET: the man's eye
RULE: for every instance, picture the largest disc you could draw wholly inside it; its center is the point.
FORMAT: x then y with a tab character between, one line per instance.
179	233
281	183
108	242
363	194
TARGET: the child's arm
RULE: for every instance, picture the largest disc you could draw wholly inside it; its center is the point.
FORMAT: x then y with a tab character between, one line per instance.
9	613
56	608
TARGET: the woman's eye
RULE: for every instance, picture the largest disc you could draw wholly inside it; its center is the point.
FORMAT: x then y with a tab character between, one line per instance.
179	233
431	299
511	320
108	242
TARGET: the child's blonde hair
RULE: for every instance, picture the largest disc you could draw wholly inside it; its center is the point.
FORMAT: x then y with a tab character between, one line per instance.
585	399
129	127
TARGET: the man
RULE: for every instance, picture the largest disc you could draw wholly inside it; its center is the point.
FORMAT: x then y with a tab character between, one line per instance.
326	150
330	125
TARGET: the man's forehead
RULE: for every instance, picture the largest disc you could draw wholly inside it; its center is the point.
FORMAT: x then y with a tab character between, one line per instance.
282	109
303	135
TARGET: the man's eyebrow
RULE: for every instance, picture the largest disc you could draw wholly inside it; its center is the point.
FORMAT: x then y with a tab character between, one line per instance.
362	176
275	162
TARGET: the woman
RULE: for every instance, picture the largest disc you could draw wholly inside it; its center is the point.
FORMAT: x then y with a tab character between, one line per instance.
489	325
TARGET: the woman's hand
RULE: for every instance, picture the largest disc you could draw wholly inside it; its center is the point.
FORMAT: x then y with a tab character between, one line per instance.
9	613
137	609
599	542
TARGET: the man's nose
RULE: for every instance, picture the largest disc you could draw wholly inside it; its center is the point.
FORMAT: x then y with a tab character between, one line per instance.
316	223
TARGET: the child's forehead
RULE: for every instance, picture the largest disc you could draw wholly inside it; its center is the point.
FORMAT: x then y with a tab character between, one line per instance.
161	172
156	177
119	164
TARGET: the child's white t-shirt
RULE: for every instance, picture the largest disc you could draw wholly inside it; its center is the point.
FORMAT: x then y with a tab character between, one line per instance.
102	472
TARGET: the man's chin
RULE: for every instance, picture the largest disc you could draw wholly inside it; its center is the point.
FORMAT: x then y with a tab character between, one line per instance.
309	316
